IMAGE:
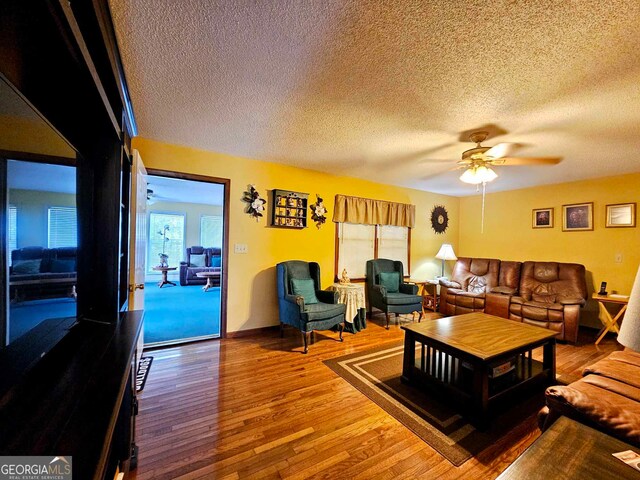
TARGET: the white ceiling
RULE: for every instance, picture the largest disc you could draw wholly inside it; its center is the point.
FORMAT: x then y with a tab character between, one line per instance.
383	90
42	177
176	190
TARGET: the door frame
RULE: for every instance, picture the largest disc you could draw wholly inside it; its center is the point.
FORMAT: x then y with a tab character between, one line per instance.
226	183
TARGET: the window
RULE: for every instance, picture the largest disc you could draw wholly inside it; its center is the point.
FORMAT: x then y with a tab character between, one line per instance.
63	227
173	240
356	246
358	243
211	231
393	243
13	229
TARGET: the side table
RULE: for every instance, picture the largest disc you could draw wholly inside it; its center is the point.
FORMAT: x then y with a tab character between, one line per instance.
428	289
352	295
164	280
611	323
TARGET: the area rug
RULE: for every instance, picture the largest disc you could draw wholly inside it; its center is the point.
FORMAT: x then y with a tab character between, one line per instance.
376	373
143	372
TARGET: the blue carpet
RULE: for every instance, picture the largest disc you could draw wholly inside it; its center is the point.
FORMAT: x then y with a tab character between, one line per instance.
176	313
23	316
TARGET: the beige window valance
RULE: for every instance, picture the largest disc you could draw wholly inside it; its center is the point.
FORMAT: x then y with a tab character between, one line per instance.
373	212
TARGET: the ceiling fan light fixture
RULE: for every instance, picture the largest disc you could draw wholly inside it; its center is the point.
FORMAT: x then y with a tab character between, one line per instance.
476	175
486	174
469	176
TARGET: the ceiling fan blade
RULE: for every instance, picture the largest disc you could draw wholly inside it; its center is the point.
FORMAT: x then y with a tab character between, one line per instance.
515	161
502	150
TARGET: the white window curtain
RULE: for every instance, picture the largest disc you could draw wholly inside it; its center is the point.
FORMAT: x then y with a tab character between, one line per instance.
357	245
174	246
393	243
211	231
63	227
12	229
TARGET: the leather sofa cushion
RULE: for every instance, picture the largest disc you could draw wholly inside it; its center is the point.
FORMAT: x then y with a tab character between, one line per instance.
552	282
611	406
509	275
403	299
616	370
476	275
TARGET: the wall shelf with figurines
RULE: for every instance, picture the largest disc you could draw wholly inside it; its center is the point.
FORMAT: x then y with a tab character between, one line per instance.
289	209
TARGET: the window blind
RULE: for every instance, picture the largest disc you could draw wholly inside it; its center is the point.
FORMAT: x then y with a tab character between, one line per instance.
393	243
356	246
173	246
12	229
211	231
63	227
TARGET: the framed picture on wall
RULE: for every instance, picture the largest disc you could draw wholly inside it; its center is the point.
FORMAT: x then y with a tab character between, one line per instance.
621	215
577	217
543	218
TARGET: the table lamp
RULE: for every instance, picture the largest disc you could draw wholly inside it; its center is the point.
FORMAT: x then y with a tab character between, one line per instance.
446	253
629	335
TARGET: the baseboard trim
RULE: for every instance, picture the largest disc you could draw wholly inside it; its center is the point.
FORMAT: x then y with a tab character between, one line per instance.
251	332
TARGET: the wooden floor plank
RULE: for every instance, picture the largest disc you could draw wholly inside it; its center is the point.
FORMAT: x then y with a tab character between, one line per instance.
256	407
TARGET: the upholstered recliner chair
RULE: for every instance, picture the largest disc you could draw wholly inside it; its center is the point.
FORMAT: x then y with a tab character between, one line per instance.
551	295
301	302
472	279
199	259
387	291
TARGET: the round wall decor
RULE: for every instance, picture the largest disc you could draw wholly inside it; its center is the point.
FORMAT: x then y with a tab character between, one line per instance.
439	219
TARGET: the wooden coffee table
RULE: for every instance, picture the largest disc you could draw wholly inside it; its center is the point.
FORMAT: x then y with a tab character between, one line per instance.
209	276
477	360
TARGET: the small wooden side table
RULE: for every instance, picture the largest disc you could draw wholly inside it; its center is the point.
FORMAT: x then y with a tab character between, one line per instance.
428	289
610	324
164	280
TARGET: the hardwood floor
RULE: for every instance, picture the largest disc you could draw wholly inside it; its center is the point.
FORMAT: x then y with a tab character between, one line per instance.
256	407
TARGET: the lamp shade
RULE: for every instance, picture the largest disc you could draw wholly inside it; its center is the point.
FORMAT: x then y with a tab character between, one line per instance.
469	176
478	174
629	335
446	252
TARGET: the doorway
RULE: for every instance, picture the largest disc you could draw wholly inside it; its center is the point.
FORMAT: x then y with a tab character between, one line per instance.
186	272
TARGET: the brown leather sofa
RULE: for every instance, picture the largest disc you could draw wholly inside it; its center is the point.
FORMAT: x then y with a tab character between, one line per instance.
606	398
546	294
472	279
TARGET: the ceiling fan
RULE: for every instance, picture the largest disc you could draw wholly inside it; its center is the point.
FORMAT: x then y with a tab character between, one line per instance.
478	161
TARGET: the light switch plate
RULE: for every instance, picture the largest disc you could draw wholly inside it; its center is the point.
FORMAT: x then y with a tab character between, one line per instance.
240	248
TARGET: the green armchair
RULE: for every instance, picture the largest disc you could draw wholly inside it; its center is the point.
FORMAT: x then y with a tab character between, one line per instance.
301	302
387	291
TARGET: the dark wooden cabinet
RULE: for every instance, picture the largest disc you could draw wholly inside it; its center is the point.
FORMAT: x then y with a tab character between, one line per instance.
289	209
67	386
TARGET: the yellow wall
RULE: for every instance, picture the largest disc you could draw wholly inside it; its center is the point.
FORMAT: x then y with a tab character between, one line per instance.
508	234
252	284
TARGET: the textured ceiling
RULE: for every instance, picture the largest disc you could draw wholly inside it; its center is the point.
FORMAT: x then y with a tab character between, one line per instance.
383	89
